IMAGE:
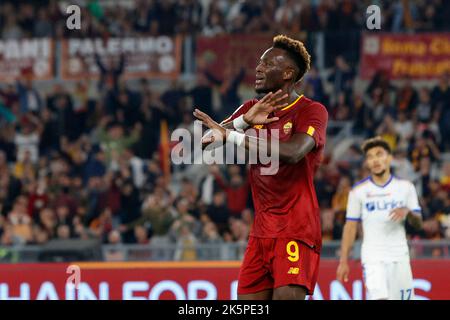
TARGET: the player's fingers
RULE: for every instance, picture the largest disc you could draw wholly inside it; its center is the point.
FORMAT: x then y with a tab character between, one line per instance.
270	120
278	98
279	106
201	113
275	98
277	94
202	120
202	117
392	213
266	97
208	139
197	114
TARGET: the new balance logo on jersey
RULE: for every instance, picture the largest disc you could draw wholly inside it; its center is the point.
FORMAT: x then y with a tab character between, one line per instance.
383	205
293	270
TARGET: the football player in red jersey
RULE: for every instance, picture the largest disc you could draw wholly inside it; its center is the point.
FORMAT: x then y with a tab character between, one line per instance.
282	257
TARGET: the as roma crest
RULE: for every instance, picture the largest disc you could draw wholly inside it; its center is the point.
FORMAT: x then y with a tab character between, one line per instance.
287	127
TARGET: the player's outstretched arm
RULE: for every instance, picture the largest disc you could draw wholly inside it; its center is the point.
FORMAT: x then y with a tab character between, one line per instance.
258	114
291	151
348	238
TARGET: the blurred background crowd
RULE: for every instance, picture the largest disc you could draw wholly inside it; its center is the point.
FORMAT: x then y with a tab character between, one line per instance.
214	17
77	164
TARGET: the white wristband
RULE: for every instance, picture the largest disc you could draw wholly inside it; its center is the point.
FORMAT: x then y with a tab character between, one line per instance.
239	123
237	138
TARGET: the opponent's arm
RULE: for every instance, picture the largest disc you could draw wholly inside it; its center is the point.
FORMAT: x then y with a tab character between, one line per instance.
415	220
353	216
411	211
398	214
348	238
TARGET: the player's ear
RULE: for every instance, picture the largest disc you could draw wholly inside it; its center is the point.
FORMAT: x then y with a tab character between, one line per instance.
288	74
390	157
365	163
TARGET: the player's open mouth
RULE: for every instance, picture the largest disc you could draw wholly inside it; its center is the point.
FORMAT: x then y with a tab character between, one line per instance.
259	78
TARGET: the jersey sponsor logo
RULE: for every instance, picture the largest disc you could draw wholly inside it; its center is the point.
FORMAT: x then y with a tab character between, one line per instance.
310	131
287	127
293	270
383	205
258	126
374	195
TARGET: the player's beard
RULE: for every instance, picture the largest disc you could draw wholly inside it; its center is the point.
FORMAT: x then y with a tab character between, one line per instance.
262	91
380	174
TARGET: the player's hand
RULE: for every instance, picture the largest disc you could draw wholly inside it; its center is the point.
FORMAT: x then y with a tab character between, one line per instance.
342	271
259	113
217	133
398	214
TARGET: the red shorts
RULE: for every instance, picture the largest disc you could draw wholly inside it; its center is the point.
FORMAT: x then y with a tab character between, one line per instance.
273	263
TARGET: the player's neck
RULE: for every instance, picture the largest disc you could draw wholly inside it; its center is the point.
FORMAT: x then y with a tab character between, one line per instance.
290	90
382	179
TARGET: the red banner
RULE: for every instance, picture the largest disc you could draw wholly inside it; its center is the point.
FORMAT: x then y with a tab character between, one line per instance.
31	58
185	280
144	57
232	52
419	56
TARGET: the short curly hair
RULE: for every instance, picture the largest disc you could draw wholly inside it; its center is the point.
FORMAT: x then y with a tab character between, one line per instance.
296	51
375	142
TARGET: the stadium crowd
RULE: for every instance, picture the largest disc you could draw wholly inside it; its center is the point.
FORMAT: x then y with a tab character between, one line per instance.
213	17
77	165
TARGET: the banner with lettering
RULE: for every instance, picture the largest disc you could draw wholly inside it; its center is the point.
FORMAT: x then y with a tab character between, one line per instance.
143	57
419	56
206	280
26	58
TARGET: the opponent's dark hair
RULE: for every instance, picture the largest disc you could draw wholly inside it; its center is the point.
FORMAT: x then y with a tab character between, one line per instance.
375	142
296	51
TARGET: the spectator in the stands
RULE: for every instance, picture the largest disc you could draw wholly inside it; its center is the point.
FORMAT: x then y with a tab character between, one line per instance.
11	29
27	138
208	185
388	131
236	189
424	110
228	88
186	242
21	222
110	73
407	97
314	80
42	26
63	232
341	78
401	165
218	211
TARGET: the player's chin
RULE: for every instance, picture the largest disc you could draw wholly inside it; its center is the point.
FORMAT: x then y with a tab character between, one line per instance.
260	89
378	172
